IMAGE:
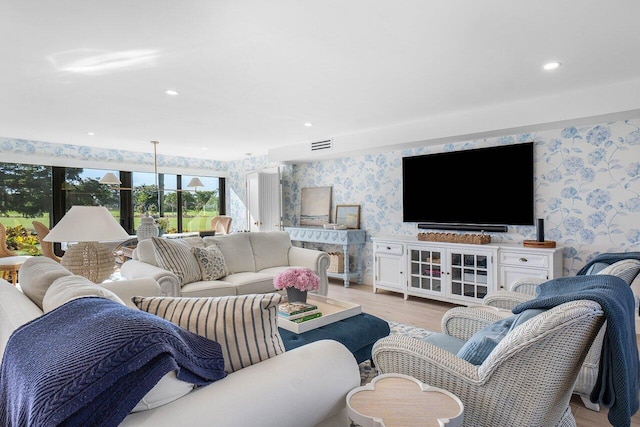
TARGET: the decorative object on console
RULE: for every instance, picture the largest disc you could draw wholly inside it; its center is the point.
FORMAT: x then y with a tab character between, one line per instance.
540	230
147	228
539	242
297	281
88	226
348	215
315	207
476	239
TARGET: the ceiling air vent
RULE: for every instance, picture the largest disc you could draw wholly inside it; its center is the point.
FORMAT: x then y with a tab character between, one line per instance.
327	144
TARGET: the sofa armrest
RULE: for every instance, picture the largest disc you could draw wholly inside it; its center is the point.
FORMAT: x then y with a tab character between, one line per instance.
463	322
168	282
314	259
125	289
307	385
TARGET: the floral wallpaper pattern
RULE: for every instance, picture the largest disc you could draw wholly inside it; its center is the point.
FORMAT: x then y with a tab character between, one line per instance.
587	186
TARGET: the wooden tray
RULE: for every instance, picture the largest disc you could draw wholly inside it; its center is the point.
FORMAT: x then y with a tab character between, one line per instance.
536	244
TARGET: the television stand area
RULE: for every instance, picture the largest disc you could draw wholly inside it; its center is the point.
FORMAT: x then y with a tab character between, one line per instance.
344	238
459	273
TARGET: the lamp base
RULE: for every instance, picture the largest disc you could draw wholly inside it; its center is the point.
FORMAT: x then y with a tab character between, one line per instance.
92	260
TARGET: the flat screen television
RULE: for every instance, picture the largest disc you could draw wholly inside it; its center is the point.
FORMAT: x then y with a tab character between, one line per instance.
479	189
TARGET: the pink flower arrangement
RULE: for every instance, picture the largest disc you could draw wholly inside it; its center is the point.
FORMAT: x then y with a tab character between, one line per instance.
303	279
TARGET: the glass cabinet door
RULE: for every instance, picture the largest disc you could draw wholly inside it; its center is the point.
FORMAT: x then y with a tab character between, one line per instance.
425	269
469	275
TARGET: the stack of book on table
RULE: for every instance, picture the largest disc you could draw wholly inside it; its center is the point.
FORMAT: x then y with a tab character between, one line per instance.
298	312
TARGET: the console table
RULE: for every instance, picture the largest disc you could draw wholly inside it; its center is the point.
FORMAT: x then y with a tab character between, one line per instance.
344	238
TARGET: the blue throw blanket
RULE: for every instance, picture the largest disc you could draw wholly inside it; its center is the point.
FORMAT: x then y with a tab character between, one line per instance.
618	379
90	361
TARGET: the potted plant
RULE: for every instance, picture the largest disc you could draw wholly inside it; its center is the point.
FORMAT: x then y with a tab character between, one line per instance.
297	281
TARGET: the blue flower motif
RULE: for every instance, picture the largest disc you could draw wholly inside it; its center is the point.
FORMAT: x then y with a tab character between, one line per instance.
554	145
573	163
569	192
633	236
633	204
633	138
573	224
569	132
554	203
598	135
587	174
587	236
596	219
633	170
598	198
596	156
553	176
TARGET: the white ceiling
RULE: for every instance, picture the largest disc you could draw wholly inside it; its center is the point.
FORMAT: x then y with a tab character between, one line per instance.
366	73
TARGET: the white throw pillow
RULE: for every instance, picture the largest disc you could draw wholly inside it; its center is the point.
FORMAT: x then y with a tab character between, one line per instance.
246	326
211	261
168	389
68	288
175	256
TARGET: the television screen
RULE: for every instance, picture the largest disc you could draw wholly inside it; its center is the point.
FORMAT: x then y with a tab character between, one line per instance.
484	186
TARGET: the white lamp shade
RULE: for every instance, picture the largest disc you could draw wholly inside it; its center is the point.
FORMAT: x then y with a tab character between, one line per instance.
87	224
195	182
109	178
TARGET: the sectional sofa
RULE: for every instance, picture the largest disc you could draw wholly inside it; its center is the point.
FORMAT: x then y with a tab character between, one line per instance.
306	386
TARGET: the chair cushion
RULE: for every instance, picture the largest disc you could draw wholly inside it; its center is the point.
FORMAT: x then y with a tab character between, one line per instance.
245	326
211	261
270	249
445	342
175	255
236	249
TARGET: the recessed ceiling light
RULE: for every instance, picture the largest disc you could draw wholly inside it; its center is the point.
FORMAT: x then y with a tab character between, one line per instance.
308	124
90	133
171	92
551	65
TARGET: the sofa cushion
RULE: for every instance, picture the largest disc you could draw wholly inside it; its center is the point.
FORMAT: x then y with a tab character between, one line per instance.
37	274
68	288
251	283
211	261
145	252
175	256
208	288
236	249
245	326
270	249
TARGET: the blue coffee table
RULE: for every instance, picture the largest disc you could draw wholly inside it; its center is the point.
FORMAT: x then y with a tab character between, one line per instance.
358	333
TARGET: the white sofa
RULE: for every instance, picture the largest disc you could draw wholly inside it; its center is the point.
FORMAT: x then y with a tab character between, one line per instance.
253	259
308	385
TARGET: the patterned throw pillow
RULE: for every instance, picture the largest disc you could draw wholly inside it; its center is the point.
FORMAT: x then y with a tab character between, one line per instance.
245	326
212	263
175	256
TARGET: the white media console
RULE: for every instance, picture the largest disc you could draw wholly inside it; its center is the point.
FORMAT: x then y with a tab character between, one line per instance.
456	272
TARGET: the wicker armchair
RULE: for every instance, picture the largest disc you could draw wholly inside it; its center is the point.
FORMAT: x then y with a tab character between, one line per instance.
524	289
47	247
525	381
10	262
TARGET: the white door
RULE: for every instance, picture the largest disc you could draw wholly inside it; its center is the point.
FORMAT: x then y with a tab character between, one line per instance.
264	200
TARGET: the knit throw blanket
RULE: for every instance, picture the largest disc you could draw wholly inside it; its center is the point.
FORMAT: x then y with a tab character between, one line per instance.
608	258
90	361
618	379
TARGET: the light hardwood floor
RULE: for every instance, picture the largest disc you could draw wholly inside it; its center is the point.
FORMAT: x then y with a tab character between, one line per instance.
425	313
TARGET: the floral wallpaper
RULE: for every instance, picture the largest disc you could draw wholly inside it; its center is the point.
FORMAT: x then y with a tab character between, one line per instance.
587	185
587	189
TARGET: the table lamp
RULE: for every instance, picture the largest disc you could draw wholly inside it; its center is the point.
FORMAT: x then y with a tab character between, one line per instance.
88	226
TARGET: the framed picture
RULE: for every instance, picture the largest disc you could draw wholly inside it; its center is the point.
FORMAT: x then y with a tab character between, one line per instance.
315	208
348	215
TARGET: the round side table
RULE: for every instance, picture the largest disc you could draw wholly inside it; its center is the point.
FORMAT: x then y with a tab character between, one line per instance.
397	400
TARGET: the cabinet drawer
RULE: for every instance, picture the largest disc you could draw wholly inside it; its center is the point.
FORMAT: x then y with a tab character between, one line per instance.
524	259
388	248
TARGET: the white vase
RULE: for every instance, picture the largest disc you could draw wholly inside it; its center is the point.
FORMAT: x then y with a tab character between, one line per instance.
147	228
